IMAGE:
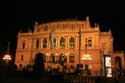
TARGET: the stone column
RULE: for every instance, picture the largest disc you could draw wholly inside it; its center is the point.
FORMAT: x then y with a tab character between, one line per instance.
41	43
58	42
48	43
66	41
76	42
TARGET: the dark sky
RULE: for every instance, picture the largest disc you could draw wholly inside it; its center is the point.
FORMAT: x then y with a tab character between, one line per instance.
20	15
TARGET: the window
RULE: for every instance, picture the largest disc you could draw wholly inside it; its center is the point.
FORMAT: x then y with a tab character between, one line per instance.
23	44
62	42
62	59
52	58
54	42
89	44
71	58
37	43
72	42
45	43
21	57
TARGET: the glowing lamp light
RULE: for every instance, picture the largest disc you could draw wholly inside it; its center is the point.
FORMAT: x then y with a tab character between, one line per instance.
47	54
7	57
56	54
67	54
86	57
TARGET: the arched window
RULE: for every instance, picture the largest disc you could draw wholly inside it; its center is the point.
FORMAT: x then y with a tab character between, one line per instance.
62	42
72	42
37	43
54	43
45	43
62	58
52	58
71	58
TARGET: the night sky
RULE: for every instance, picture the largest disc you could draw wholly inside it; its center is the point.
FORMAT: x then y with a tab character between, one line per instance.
22	14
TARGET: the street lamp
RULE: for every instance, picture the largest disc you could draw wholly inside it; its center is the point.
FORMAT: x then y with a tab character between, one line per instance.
7	58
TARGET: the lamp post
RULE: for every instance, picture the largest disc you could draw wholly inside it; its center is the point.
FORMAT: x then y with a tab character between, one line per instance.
7	58
79	63
79	45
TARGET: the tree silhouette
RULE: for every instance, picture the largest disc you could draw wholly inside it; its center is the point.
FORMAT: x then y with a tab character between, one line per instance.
39	65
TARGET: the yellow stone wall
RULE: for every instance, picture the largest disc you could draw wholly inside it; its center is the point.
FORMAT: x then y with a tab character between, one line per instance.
102	43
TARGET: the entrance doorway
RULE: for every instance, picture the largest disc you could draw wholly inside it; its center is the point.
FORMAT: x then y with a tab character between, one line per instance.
118	63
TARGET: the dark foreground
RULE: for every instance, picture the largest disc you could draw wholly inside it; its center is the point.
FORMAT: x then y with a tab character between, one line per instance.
9	74
30	77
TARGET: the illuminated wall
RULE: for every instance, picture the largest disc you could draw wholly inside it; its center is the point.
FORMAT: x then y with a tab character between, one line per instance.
60	40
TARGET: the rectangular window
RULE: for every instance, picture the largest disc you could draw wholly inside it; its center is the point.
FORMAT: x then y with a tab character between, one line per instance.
89	44
71	59
21	57
23	45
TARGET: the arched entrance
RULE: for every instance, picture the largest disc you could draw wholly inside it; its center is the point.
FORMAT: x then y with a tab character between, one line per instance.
118	63
118	66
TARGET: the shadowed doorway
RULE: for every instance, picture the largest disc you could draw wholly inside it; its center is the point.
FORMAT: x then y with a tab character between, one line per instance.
118	63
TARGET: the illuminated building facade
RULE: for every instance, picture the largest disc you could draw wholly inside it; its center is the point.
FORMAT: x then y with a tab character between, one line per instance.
67	42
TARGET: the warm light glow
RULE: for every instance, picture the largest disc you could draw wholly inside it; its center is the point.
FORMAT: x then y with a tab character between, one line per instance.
47	54
86	57
7	57
56	54
67	54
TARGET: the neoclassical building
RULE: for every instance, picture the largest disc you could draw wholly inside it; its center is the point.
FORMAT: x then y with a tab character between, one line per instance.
69	43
